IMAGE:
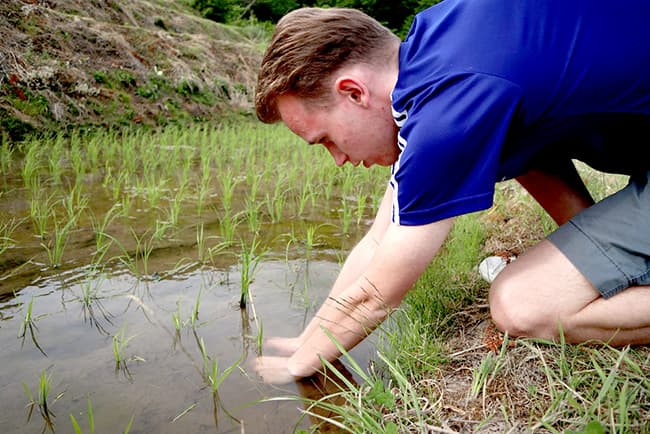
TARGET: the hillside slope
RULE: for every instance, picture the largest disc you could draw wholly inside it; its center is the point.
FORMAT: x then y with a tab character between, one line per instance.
117	62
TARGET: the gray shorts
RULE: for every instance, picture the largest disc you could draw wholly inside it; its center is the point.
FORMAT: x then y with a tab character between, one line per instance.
609	242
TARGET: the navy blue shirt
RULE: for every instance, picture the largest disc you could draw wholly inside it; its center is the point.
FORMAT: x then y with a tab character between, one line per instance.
488	89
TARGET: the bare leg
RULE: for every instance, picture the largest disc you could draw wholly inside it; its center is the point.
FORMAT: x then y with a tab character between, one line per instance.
542	290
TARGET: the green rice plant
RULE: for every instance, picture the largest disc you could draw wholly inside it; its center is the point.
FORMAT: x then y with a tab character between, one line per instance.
139	264
90	300
206	253
362	200
203	193
228	184
249	261
228	227
78	161
176	318
120	342
346	215
91	422
102	242
275	205
7	229
74	202
42	401
56	158
40	207
57	242
6	154
194	316
211	369
32	163
252	214
175	206
28	325
306	194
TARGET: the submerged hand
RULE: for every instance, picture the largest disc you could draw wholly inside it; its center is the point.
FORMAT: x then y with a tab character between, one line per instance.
274	370
282	346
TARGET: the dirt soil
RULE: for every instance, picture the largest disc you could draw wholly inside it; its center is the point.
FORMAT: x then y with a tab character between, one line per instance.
118	62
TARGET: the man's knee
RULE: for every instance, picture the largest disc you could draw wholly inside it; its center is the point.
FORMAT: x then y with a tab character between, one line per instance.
517	314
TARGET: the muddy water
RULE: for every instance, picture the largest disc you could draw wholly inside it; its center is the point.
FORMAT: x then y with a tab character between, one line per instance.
161	384
163	375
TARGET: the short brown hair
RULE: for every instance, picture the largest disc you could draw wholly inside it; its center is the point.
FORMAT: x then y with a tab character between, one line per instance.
308	45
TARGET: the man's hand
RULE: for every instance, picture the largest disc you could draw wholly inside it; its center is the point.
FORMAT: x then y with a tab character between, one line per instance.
274	370
282	346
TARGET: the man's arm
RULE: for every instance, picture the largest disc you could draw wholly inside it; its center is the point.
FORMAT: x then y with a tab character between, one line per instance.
356	261
558	189
402	256
374	279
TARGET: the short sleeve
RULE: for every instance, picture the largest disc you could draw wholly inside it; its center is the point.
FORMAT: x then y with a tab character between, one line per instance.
451	137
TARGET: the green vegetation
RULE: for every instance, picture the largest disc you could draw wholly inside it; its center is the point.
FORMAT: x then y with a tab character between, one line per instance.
395	15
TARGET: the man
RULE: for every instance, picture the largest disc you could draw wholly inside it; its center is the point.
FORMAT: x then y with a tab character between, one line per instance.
480	91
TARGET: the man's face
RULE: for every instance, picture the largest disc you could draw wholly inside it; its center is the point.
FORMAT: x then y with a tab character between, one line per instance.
350	132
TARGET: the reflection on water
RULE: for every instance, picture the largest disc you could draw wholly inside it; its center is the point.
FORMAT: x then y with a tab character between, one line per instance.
162	381
120	272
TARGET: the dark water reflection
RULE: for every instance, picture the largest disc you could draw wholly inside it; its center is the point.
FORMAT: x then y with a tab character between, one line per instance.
164	369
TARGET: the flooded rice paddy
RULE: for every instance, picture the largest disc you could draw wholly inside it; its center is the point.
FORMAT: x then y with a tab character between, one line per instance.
125	260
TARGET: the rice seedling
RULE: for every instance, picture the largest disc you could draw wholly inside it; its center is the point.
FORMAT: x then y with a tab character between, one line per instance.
57	242
7	229
362	199
228	184
206	253
90	299
252	214
6	154
42	401
32	162
74	202
55	159
120	342
194	316
249	261
28	325
176	318
102	242
91	422
275	205
78	161
211	369
346	215
39	209
228	227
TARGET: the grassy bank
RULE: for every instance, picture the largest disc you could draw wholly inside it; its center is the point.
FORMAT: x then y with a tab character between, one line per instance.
442	367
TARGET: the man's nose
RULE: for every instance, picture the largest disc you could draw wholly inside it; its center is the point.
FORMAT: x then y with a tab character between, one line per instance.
339	157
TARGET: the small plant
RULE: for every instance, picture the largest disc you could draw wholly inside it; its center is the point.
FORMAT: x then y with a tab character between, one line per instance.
44	389
120	342
194	317
7	229
249	261
28	325
57	242
91	422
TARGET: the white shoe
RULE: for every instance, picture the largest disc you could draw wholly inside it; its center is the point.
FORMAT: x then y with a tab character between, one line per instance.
490	267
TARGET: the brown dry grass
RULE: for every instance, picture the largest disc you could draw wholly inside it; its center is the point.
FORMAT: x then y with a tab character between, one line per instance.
54	49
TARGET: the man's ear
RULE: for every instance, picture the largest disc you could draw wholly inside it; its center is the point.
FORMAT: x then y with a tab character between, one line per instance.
353	90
